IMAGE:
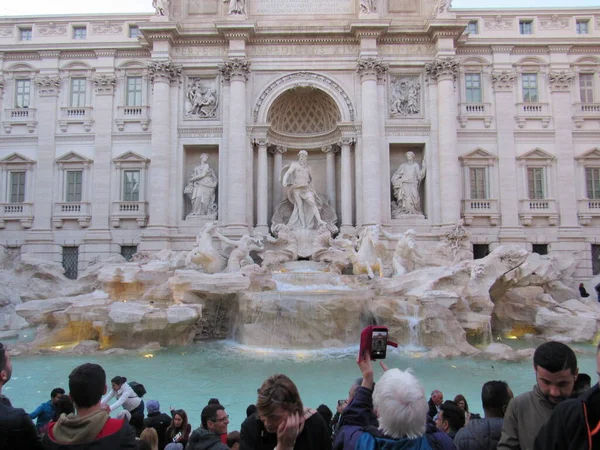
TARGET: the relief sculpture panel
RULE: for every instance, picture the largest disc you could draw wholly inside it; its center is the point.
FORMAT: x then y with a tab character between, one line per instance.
201	99
405	97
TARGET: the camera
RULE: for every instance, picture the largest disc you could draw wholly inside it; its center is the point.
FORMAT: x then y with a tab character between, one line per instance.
374	339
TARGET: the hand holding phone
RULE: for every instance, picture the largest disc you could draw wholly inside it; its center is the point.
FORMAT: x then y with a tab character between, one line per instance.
374	340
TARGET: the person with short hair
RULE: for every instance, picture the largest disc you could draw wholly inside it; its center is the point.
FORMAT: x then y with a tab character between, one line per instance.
90	427
46	411
157	420
233	440
435	400
450	419
484	434
128	399
282	422
555	366
16	427
582	384
214	424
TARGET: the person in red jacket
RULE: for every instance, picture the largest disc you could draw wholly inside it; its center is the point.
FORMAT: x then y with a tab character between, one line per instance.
91	427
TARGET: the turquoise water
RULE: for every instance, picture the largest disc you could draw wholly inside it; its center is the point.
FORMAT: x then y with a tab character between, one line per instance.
187	377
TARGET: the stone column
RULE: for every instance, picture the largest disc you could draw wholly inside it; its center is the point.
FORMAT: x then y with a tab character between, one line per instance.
444	70
346	185
161	74
262	194
369	70
432	179
277	167
330	151
236	71
41	237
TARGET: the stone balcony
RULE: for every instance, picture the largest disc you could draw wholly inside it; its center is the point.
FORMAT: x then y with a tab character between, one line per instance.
129	210
484	208
79	211
545	208
132	114
23	212
587	210
533	111
585	111
475	111
76	115
20	117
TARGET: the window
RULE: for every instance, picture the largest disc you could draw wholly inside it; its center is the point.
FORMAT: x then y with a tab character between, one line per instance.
478	179
473	27
586	87
127	251
79	32
582	26
73	188
473	87
78	92
131	185
25	34
134	31
17	187
536	183
595	259
23	93
134	91
530	88
592	181
526	26
540	249
70	261
480	251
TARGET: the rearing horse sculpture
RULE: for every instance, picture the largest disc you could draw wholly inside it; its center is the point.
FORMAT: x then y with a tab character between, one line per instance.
205	254
367	258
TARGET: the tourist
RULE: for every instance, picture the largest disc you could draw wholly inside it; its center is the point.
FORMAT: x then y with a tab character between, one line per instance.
150	436
582	384
159	421
180	429
582	291
90	427
399	400
450	419
461	401
575	423
282	422
436	399
233	440
484	434
343	404
251	409
64	406
555	366
143	445
597	289
326	414
128	399
45	412
214	425
16	427
214	401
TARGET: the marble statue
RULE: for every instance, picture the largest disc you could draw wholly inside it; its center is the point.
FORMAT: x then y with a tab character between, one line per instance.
405	253
203	100
236	7
405	98
240	255
405	183
161	7
285	247
204	253
202	189
369	254
368	6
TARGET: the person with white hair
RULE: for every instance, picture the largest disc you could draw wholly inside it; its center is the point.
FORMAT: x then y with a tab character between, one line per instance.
398	404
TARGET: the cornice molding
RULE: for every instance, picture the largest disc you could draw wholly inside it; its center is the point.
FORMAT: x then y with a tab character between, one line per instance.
200	132
75	137
132	137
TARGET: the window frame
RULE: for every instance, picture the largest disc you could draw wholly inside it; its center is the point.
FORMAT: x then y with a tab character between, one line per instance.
527	99
532	193
124	187
81	95
537	159
28	95
20	194
470	25
136	34
25	31
596	187
79	36
522	23
590	89
77	197
585	22
480	159
468	89
14	163
484	195
72	162
136	92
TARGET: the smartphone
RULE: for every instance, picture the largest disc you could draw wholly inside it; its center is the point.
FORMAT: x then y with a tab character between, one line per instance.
341	402
374	339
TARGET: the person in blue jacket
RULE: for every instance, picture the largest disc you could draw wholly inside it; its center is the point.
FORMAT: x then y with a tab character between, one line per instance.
45	412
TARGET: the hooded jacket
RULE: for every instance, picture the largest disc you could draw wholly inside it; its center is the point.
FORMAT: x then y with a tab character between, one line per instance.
202	439
479	434
17	429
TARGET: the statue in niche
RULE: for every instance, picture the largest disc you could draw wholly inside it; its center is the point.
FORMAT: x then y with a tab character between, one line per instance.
406	98
303	208
240	255
368	6
161	7
405	183
405	253
236	7
202	98
202	189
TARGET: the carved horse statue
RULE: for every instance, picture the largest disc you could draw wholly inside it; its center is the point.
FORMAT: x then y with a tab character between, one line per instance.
205	254
367	258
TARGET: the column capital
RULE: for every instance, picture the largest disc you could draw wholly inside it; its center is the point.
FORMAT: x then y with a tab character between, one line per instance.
164	71
330	149
371	68
560	81
261	142
236	69
278	149
104	83
504	81
48	85
441	68
347	141
1	83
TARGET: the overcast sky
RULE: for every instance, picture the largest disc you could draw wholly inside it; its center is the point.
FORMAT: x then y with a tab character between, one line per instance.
33	7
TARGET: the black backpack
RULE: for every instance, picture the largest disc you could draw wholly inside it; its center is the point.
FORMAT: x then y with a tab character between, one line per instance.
138	388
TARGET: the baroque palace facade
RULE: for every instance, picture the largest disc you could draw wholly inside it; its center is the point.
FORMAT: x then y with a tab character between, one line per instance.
130	132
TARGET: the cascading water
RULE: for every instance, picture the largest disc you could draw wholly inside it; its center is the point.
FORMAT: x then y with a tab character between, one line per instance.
411	316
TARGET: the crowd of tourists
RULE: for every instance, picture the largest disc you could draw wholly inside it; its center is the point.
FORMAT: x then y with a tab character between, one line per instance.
562	411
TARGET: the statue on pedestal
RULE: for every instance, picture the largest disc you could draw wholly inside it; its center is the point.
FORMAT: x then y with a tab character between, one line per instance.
236	7
405	253
368	6
161	7
240	255
202	189
405	183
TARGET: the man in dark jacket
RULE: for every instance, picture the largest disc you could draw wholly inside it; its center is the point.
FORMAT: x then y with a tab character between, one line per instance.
214	424
450	419
91	428
484	434
436	399
157	420
46	411
16	428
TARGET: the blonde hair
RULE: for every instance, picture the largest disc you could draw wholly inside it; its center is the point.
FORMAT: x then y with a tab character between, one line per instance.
151	437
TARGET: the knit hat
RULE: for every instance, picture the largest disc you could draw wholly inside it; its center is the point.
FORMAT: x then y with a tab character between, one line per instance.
152	406
174	446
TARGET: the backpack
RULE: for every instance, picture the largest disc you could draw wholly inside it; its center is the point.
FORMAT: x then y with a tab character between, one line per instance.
138	388
369	442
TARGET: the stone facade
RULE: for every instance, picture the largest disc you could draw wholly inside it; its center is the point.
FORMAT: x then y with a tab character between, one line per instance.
104	119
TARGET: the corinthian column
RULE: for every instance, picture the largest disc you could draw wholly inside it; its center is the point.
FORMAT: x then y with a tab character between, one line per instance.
444	71
236	72
277	167
330	151
370	69
262	187
346	185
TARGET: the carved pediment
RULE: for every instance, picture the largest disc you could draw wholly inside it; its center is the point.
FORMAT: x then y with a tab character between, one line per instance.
537	154
479	155
16	158
73	158
591	155
130	157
